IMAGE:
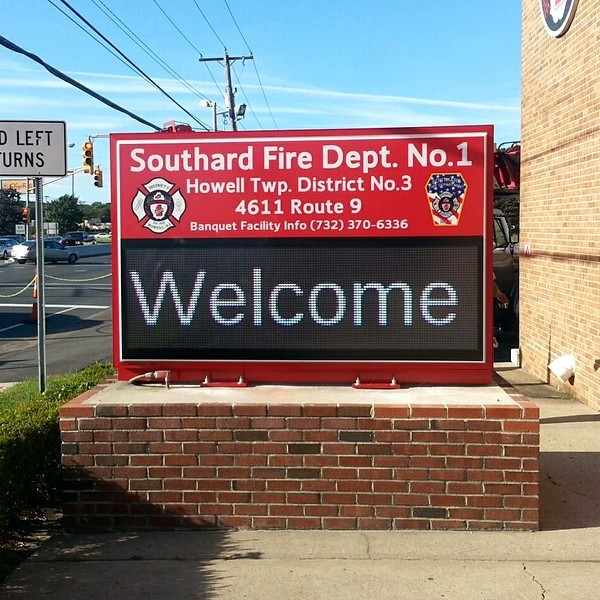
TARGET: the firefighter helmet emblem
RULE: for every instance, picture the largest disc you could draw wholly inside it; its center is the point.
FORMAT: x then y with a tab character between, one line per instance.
446	194
557	15
158	206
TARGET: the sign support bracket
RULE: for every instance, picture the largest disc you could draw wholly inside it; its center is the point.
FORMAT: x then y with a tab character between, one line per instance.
376	385
240	383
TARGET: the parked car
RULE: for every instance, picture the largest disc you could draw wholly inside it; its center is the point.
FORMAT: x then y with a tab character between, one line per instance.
53	252
16	237
77	238
103	238
6	245
506	271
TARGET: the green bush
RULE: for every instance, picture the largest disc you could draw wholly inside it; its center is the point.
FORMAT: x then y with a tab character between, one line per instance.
30	456
18	394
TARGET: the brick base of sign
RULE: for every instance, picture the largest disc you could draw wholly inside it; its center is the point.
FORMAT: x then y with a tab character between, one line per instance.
299	465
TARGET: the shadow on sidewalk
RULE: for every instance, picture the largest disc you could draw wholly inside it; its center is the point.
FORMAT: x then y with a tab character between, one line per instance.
569	490
182	566
587	418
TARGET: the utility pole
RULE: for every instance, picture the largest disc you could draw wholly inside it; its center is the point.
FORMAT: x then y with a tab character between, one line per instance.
229	92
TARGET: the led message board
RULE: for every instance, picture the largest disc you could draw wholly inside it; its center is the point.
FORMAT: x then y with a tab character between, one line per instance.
304	256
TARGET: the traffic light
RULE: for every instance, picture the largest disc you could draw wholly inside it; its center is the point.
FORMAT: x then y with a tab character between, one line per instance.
88	157
98	178
25	215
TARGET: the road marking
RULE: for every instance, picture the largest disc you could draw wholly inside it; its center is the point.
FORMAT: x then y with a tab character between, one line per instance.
11	327
93	285
66	307
71	306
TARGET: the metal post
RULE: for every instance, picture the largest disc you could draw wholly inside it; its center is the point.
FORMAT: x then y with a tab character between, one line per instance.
214	115
39	255
28	212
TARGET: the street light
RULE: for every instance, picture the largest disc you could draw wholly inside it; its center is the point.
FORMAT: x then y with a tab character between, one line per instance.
213	105
72	172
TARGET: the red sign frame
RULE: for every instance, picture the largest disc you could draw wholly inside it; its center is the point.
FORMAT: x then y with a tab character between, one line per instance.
422	187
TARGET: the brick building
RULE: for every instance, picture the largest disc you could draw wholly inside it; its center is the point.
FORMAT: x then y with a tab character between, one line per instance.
560	196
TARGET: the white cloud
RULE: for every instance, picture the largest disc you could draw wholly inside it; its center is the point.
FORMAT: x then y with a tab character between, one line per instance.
292	106
361	97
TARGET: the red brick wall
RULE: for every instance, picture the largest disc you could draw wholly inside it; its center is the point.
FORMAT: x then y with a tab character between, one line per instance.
291	466
560	203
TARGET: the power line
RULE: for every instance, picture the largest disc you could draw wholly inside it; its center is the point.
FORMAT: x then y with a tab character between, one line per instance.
108	48
220	41
249	105
162	10
140	43
237	26
246	97
144	47
262	89
254	63
138	69
11	46
188	41
209	24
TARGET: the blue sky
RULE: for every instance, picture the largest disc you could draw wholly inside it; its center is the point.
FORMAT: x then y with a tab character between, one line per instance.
317	64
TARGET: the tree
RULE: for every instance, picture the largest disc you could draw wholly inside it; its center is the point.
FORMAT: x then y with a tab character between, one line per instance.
10	211
96	210
65	211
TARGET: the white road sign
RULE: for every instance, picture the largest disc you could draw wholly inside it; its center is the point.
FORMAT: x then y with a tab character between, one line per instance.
33	148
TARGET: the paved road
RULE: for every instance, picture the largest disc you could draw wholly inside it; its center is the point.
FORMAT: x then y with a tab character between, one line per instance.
78	311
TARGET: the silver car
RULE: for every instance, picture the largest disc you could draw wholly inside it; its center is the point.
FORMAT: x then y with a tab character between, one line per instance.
5	246
53	252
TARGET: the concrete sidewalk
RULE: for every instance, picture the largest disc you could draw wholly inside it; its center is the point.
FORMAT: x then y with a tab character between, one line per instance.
560	562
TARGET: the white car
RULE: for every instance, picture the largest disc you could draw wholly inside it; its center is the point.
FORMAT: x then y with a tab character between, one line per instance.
53	252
